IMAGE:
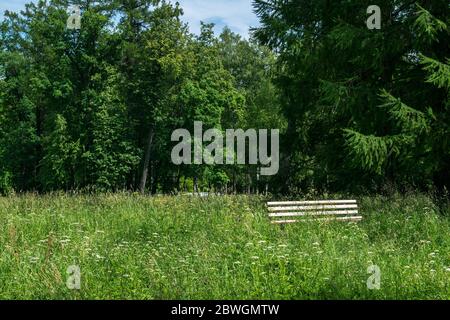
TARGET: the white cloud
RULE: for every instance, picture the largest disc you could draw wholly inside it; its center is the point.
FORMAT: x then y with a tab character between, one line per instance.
237	14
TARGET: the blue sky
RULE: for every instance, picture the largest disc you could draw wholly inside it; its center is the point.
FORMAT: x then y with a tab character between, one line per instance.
237	14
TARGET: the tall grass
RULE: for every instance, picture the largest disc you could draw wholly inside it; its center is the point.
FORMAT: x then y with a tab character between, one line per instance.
133	247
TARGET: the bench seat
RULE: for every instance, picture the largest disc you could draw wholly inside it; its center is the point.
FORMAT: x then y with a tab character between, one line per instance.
323	210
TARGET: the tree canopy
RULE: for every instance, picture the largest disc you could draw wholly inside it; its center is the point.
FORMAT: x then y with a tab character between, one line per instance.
94	108
359	109
366	108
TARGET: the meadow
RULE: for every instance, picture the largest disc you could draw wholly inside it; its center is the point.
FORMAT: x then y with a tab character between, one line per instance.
136	247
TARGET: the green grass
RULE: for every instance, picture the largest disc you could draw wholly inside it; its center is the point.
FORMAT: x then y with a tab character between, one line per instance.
133	247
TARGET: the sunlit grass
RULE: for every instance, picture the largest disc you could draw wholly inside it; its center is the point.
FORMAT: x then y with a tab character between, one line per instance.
133	247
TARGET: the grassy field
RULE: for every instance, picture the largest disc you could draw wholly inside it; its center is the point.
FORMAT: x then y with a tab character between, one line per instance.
133	247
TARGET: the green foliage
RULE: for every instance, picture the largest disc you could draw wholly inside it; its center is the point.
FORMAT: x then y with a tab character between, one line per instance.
409	120
112	154
59	156
369	152
427	25
366	108
439	73
95	108
6	183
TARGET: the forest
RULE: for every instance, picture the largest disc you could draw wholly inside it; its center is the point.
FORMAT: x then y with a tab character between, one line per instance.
93	109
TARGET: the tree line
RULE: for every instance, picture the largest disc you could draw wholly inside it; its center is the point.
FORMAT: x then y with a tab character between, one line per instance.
94	109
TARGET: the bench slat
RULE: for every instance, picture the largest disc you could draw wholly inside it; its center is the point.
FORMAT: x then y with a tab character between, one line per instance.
304	211
359	218
301	203
313	213
306	208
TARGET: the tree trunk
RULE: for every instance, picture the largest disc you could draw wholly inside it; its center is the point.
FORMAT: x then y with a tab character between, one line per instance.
146	165
152	177
234	182
178	182
195	185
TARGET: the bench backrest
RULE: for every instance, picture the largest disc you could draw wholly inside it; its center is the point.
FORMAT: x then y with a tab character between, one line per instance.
326	210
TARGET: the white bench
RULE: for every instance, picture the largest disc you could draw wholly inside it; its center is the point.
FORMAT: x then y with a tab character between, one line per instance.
300	211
